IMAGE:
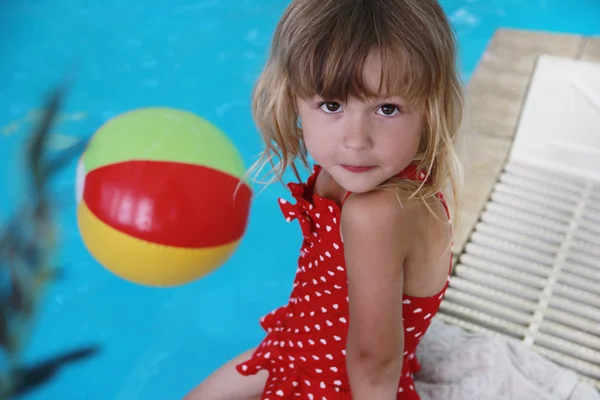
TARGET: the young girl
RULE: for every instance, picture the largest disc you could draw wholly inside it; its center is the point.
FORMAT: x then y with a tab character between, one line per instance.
368	88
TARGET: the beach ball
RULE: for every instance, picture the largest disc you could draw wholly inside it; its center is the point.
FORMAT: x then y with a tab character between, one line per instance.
161	199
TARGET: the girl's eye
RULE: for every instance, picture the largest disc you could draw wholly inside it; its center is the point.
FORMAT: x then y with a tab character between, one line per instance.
389	110
330	106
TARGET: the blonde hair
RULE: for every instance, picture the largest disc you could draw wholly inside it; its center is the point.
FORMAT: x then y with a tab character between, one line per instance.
320	48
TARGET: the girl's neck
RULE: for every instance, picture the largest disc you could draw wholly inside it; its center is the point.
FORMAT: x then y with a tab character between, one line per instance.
327	187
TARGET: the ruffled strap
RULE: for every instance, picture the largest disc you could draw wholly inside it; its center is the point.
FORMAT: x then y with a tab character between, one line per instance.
299	211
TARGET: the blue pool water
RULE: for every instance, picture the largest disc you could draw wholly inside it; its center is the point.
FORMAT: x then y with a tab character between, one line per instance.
202	56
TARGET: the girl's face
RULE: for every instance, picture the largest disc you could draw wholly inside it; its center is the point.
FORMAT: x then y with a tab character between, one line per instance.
362	143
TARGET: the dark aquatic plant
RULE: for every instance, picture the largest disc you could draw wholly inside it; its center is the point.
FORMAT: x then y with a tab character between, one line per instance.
27	255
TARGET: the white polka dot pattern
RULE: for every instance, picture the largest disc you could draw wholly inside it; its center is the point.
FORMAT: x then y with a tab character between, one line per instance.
304	350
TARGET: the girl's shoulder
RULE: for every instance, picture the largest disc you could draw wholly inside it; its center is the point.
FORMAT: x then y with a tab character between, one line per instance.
379	216
415	233
384	206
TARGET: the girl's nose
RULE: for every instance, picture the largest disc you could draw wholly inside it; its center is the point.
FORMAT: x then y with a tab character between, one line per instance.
357	135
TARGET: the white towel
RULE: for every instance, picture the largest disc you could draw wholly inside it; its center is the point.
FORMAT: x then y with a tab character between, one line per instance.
459	365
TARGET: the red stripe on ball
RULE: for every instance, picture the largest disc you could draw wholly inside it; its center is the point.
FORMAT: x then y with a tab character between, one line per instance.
169	203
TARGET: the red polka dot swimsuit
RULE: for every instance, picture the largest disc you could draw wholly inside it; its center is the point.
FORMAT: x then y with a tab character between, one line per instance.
304	349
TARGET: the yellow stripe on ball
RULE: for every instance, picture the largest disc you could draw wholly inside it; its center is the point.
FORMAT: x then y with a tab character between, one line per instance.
144	262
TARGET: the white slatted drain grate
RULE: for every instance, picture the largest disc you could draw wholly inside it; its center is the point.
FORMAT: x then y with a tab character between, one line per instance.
531	268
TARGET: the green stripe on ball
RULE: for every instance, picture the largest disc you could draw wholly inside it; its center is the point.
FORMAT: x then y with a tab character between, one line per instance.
163	134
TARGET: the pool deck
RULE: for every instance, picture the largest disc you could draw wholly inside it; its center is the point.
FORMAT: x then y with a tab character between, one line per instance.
495	95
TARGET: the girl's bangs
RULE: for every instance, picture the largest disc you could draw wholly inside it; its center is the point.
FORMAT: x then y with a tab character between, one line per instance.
337	72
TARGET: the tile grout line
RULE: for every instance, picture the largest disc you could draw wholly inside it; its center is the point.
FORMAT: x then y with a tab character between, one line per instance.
559	261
